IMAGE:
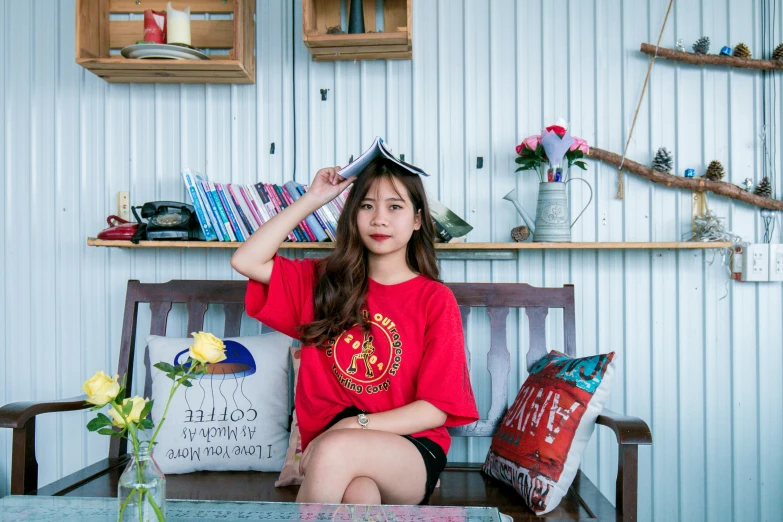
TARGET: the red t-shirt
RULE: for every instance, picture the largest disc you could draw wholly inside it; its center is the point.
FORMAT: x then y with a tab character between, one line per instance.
414	351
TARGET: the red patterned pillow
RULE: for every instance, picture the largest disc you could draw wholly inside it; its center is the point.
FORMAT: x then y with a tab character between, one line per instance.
540	441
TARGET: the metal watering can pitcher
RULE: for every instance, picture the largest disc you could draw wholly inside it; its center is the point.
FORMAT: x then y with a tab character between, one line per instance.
552	214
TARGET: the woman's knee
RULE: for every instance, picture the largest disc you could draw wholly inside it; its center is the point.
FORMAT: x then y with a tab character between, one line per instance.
332	453
362	490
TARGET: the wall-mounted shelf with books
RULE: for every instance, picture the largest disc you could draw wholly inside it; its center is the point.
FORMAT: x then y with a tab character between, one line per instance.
392	42
99	36
465	251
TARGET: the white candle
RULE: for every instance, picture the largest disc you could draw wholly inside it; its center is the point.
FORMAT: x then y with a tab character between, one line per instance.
178	25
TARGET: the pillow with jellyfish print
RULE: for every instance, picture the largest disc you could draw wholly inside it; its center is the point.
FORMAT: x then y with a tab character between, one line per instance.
234	417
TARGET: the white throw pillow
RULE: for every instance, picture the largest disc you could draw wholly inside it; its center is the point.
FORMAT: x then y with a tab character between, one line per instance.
234	418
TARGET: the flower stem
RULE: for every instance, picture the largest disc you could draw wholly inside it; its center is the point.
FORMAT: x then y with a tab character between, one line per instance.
174	385
122	506
155	507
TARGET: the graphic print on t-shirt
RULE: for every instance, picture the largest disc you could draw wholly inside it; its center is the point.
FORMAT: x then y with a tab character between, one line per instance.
363	362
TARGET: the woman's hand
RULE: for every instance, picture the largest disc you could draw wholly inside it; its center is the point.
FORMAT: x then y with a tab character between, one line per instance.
328	184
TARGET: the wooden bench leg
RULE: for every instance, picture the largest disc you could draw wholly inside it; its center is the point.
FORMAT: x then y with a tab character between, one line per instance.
24	466
627	481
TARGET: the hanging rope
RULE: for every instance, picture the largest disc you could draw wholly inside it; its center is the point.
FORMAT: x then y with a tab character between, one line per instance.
620	184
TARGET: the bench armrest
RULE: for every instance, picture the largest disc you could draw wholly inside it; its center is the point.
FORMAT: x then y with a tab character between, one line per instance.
629	430
16	414
20	417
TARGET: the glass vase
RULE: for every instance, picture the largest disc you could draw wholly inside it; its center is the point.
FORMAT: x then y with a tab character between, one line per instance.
141	492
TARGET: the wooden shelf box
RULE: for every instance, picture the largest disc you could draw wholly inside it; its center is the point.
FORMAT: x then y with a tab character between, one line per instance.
393	43
97	35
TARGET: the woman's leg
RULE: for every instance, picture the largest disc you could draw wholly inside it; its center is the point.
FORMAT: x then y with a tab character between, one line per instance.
362	490
340	456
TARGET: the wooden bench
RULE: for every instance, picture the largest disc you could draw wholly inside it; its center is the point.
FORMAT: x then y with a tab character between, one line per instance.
461	483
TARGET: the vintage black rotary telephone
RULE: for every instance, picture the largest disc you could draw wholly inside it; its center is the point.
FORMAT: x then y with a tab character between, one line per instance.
167	220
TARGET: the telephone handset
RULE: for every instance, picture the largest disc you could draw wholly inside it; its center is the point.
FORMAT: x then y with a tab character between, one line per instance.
169	220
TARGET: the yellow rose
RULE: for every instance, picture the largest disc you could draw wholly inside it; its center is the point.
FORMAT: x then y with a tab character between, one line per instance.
207	348
133	416
100	388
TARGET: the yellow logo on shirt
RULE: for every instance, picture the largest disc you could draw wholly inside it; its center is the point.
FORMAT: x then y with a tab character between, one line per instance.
363	359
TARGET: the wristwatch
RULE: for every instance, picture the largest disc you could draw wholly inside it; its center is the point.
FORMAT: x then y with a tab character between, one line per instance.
363	420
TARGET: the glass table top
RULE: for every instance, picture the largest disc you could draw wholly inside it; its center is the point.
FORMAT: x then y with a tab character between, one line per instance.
21	507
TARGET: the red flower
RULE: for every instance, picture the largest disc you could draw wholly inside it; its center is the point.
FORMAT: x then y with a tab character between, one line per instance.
560	131
520	147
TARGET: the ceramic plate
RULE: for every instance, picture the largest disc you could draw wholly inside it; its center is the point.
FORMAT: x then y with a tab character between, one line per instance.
173	52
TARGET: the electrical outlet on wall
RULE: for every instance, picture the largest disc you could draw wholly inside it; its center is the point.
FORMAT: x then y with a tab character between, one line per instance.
755	263
776	262
123	205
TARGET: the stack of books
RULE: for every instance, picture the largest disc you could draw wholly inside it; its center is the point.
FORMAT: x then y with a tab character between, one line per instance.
232	212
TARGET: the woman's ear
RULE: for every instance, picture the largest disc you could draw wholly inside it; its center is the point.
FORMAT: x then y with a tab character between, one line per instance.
417	220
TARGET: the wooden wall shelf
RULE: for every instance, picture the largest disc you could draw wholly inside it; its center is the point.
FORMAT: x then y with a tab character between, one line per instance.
393	43
453	247
712	59
97	35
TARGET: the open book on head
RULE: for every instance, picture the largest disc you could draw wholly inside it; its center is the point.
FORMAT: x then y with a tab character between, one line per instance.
376	150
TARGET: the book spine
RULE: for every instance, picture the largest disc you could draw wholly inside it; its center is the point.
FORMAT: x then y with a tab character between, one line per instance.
319	214
270	206
334	214
207	204
244	212
225	226
311	236
231	218
251	204
260	206
206	226
238	214
270	190
303	237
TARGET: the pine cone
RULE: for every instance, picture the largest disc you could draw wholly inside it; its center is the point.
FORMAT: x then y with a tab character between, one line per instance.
664	160
777	54
519	234
715	171
764	188
742	51
702	45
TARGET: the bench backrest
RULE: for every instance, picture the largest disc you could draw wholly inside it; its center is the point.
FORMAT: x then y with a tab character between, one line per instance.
497	298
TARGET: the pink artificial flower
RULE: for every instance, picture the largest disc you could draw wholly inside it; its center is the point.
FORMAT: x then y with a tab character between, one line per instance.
580	144
533	141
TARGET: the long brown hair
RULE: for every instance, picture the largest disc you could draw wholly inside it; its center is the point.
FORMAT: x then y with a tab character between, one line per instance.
341	289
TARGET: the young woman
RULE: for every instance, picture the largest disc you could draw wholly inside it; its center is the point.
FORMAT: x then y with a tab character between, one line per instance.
383	369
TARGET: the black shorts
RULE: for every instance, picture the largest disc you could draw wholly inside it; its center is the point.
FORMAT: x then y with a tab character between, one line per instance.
432	453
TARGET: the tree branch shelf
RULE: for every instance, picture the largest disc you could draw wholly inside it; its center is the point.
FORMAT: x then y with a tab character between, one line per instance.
700	184
97	34
464	251
712	59
394	42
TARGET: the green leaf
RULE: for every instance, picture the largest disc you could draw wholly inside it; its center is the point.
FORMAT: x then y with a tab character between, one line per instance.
127	408
186	383
147	424
108	431
147	409
98	422
581	164
164	367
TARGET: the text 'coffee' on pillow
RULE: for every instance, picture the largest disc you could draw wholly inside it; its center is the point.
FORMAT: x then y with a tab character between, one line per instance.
234	417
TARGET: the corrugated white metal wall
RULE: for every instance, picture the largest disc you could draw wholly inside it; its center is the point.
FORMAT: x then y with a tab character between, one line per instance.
704	372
